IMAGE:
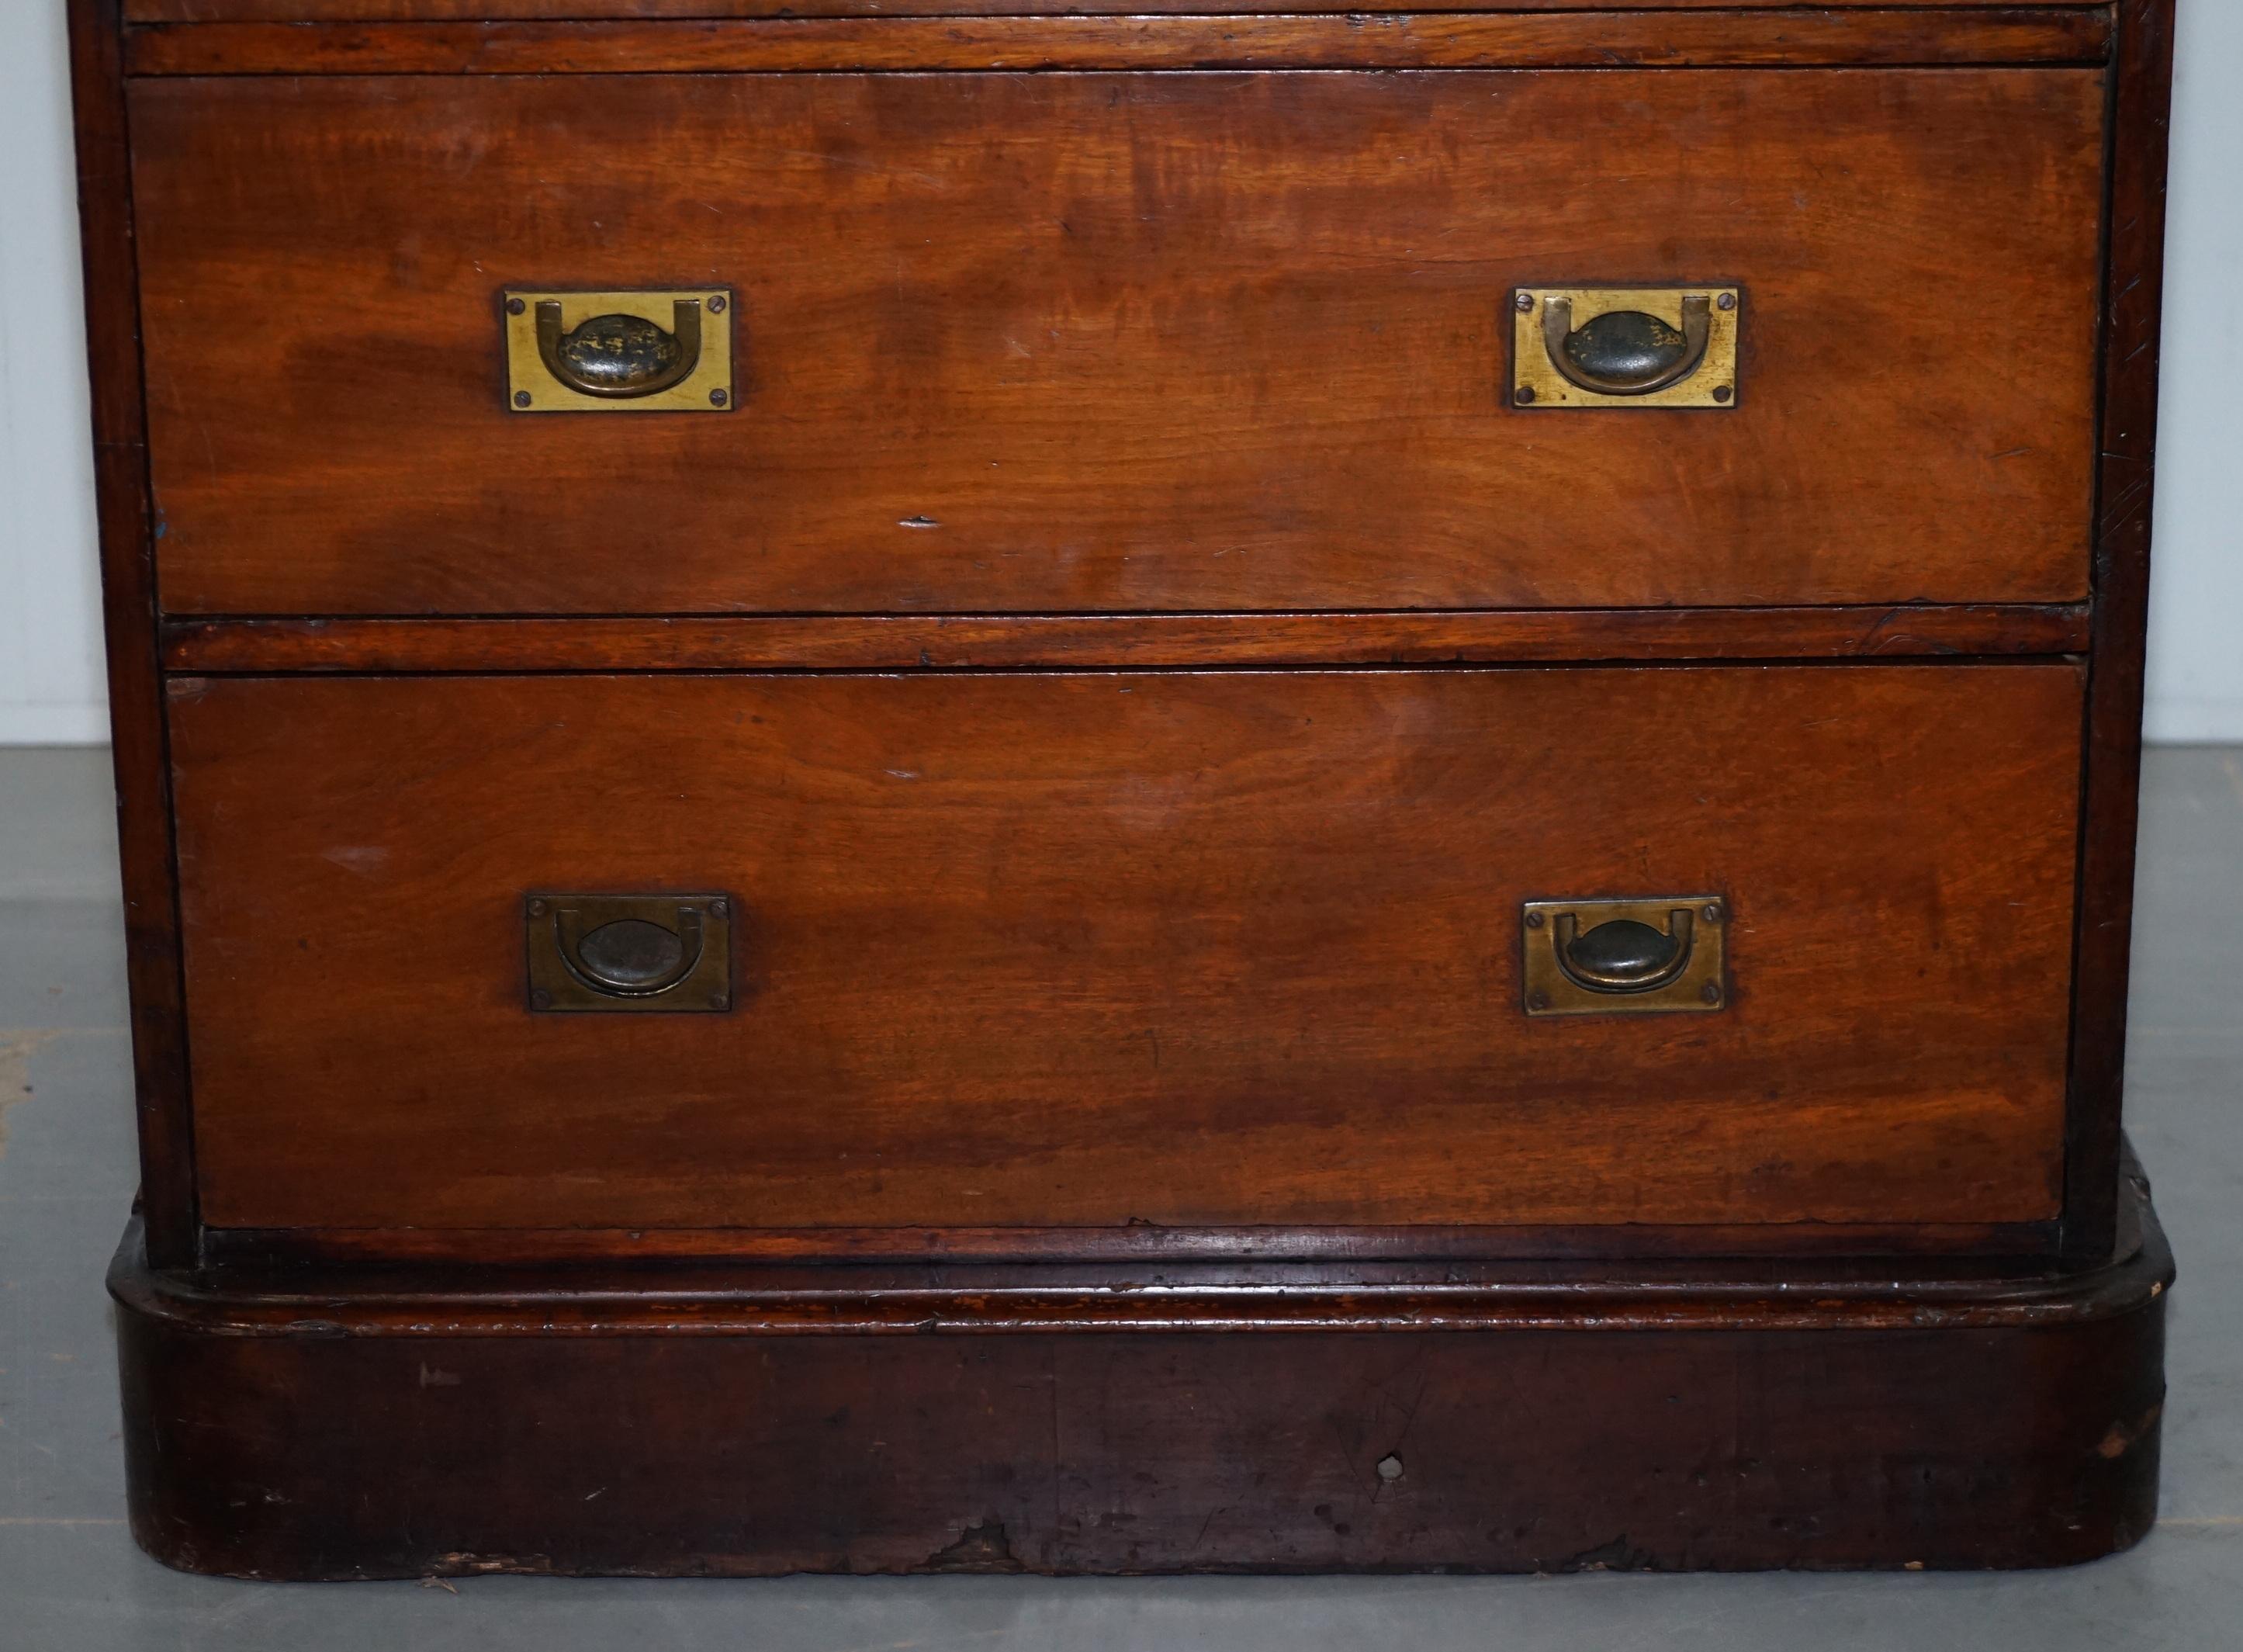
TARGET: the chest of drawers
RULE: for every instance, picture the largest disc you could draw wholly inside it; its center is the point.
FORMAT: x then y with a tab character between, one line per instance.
1130	792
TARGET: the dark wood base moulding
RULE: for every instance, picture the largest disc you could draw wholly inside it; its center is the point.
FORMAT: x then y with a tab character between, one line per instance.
1521	1417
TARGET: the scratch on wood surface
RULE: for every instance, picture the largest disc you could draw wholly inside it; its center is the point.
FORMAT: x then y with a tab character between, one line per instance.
2125	1434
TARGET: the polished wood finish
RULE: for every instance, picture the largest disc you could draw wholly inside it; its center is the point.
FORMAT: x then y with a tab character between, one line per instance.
1995	1243
1185	949
955	642
681	1423
2141	95
1196	376
128	574
1599	40
595	1296
1961	17
959	397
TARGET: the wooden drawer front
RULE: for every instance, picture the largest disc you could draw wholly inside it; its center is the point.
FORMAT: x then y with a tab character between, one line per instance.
1096	342
1192	949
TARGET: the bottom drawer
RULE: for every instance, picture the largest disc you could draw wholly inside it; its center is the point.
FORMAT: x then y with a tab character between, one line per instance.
1181	949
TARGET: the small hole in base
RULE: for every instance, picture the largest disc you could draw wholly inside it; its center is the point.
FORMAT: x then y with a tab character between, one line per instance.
1390	1468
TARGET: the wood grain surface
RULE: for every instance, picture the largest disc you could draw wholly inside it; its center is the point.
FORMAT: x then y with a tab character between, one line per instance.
1188	949
320	1425
1349	1250
1957	13
135	676
1081	343
956	642
1541	1452
1600	40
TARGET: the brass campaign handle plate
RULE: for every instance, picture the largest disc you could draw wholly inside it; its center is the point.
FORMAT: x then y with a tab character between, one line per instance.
1642	347
620	355
1627	352
616	952
619	352
1627	956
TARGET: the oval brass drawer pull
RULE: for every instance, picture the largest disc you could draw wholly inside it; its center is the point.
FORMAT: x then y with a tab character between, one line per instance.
624	952
629	351
1622	954
629	957
1621	957
619	355
1626	347
1627	352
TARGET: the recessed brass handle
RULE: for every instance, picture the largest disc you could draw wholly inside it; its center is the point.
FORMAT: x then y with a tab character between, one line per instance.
619	356
629	951
1626	351
629	957
1622	954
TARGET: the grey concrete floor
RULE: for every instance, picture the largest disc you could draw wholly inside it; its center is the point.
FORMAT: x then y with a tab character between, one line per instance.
70	1578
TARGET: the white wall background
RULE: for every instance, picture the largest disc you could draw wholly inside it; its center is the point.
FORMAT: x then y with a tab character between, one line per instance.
2196	585
50	665
50	688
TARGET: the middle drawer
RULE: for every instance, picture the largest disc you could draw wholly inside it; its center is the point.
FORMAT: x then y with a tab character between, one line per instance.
1134	342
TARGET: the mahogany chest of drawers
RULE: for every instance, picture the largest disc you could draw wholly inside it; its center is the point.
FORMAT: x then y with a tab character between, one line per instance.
1127	791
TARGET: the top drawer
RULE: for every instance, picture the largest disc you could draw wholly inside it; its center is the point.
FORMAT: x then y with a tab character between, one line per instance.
1120	342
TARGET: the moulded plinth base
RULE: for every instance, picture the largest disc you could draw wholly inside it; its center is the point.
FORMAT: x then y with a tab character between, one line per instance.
681	1419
